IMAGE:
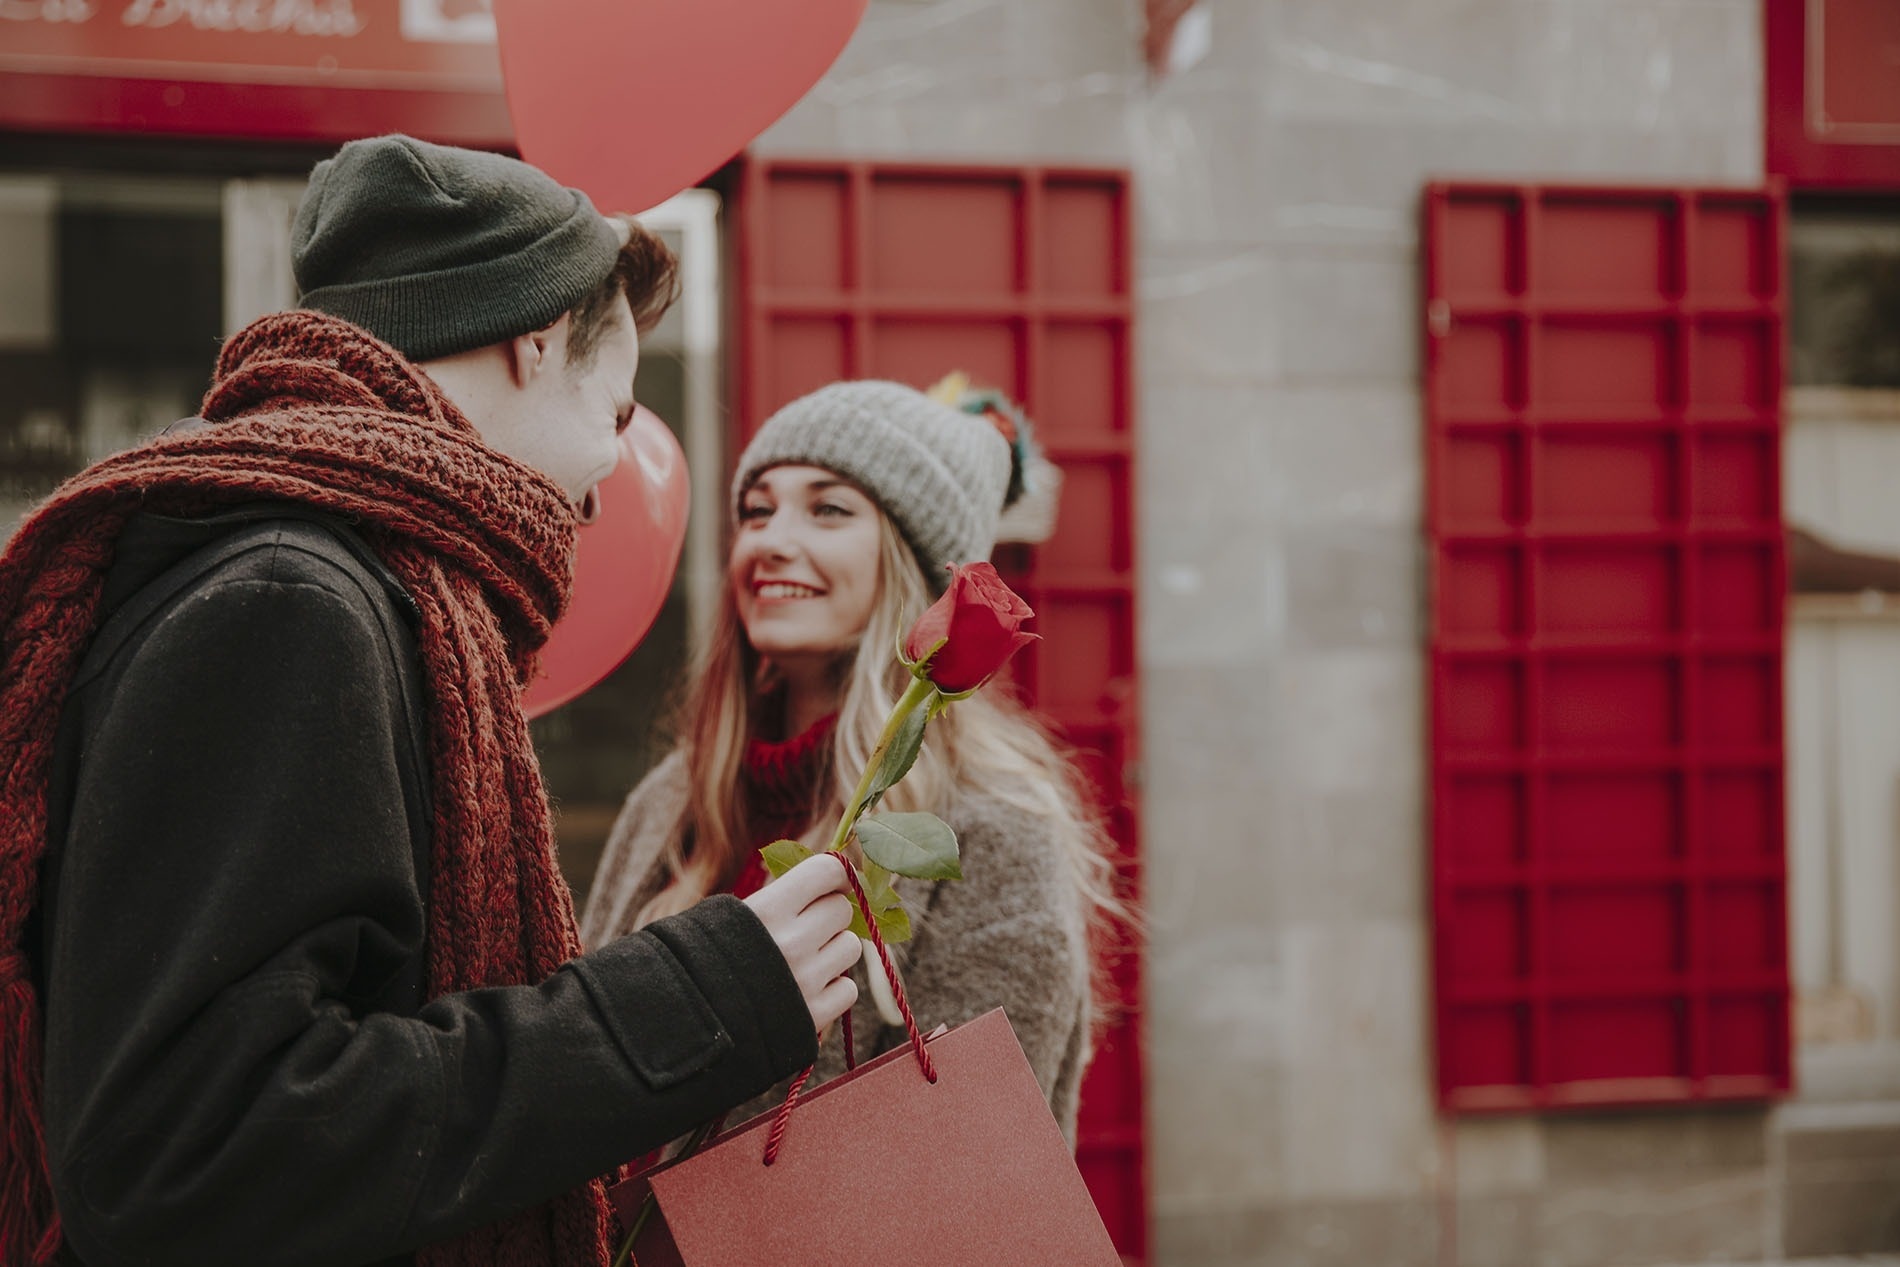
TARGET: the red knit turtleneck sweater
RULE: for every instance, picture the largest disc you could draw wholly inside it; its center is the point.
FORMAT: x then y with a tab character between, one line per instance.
782	780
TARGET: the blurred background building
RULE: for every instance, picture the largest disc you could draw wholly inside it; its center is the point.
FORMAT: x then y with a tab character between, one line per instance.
1434	382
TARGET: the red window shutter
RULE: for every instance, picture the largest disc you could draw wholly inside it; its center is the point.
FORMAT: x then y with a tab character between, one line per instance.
1603	386
1021	278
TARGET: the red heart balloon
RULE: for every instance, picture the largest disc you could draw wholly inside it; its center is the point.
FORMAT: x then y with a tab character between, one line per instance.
635	100
623	566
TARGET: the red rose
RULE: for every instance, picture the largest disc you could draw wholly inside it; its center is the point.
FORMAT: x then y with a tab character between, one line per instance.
979	622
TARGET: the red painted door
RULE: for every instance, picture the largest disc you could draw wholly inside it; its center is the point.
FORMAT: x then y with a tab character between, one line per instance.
1603	378
1021	278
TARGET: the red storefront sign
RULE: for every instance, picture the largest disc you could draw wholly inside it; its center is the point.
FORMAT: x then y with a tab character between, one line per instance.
1834	92
286	69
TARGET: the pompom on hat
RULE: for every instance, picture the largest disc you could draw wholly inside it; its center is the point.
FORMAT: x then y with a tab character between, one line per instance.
1035	483
944	465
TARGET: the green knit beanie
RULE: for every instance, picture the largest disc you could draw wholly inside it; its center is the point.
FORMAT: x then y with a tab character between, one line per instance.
437	250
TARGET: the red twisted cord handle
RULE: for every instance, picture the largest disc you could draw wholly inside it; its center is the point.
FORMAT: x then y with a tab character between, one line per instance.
776	1136
890	972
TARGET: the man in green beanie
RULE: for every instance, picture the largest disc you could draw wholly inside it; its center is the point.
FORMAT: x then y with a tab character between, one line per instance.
287	970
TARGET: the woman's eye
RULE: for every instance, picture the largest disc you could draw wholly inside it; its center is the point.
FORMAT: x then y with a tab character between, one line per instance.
830	510
758	510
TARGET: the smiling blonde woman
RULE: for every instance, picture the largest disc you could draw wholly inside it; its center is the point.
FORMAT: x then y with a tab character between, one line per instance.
847	508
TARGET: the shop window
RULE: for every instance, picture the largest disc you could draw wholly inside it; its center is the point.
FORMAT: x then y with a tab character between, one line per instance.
1844	295
116	289
111	292
1843	447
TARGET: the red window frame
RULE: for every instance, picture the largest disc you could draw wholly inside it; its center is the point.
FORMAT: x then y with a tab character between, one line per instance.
1022	277
1603	377
1805	41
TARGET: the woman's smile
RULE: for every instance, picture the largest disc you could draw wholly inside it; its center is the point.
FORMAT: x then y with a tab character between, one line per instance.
770	590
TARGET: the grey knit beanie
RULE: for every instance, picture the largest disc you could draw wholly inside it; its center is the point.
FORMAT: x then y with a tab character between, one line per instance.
437	250
939	473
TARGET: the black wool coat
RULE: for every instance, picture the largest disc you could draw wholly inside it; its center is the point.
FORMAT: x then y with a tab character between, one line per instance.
241	1063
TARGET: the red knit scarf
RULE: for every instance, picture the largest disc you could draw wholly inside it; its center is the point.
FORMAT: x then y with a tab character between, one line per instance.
311	410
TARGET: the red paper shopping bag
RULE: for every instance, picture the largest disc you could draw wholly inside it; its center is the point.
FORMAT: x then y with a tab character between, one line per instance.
882	1165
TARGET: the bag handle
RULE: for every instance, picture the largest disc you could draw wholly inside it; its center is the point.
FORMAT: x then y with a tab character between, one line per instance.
776	1136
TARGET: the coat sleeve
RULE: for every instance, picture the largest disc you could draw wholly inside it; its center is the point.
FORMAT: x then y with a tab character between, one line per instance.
1010	934
236	893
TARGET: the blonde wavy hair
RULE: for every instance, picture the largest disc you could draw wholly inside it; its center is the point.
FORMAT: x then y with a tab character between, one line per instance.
988	742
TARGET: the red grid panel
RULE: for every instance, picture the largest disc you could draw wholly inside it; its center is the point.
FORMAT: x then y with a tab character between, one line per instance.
1603	379
1020	277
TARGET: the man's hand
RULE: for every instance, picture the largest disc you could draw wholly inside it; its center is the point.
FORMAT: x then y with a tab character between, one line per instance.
809	915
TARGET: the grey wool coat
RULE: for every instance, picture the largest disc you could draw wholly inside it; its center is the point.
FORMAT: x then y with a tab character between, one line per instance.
1012	934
